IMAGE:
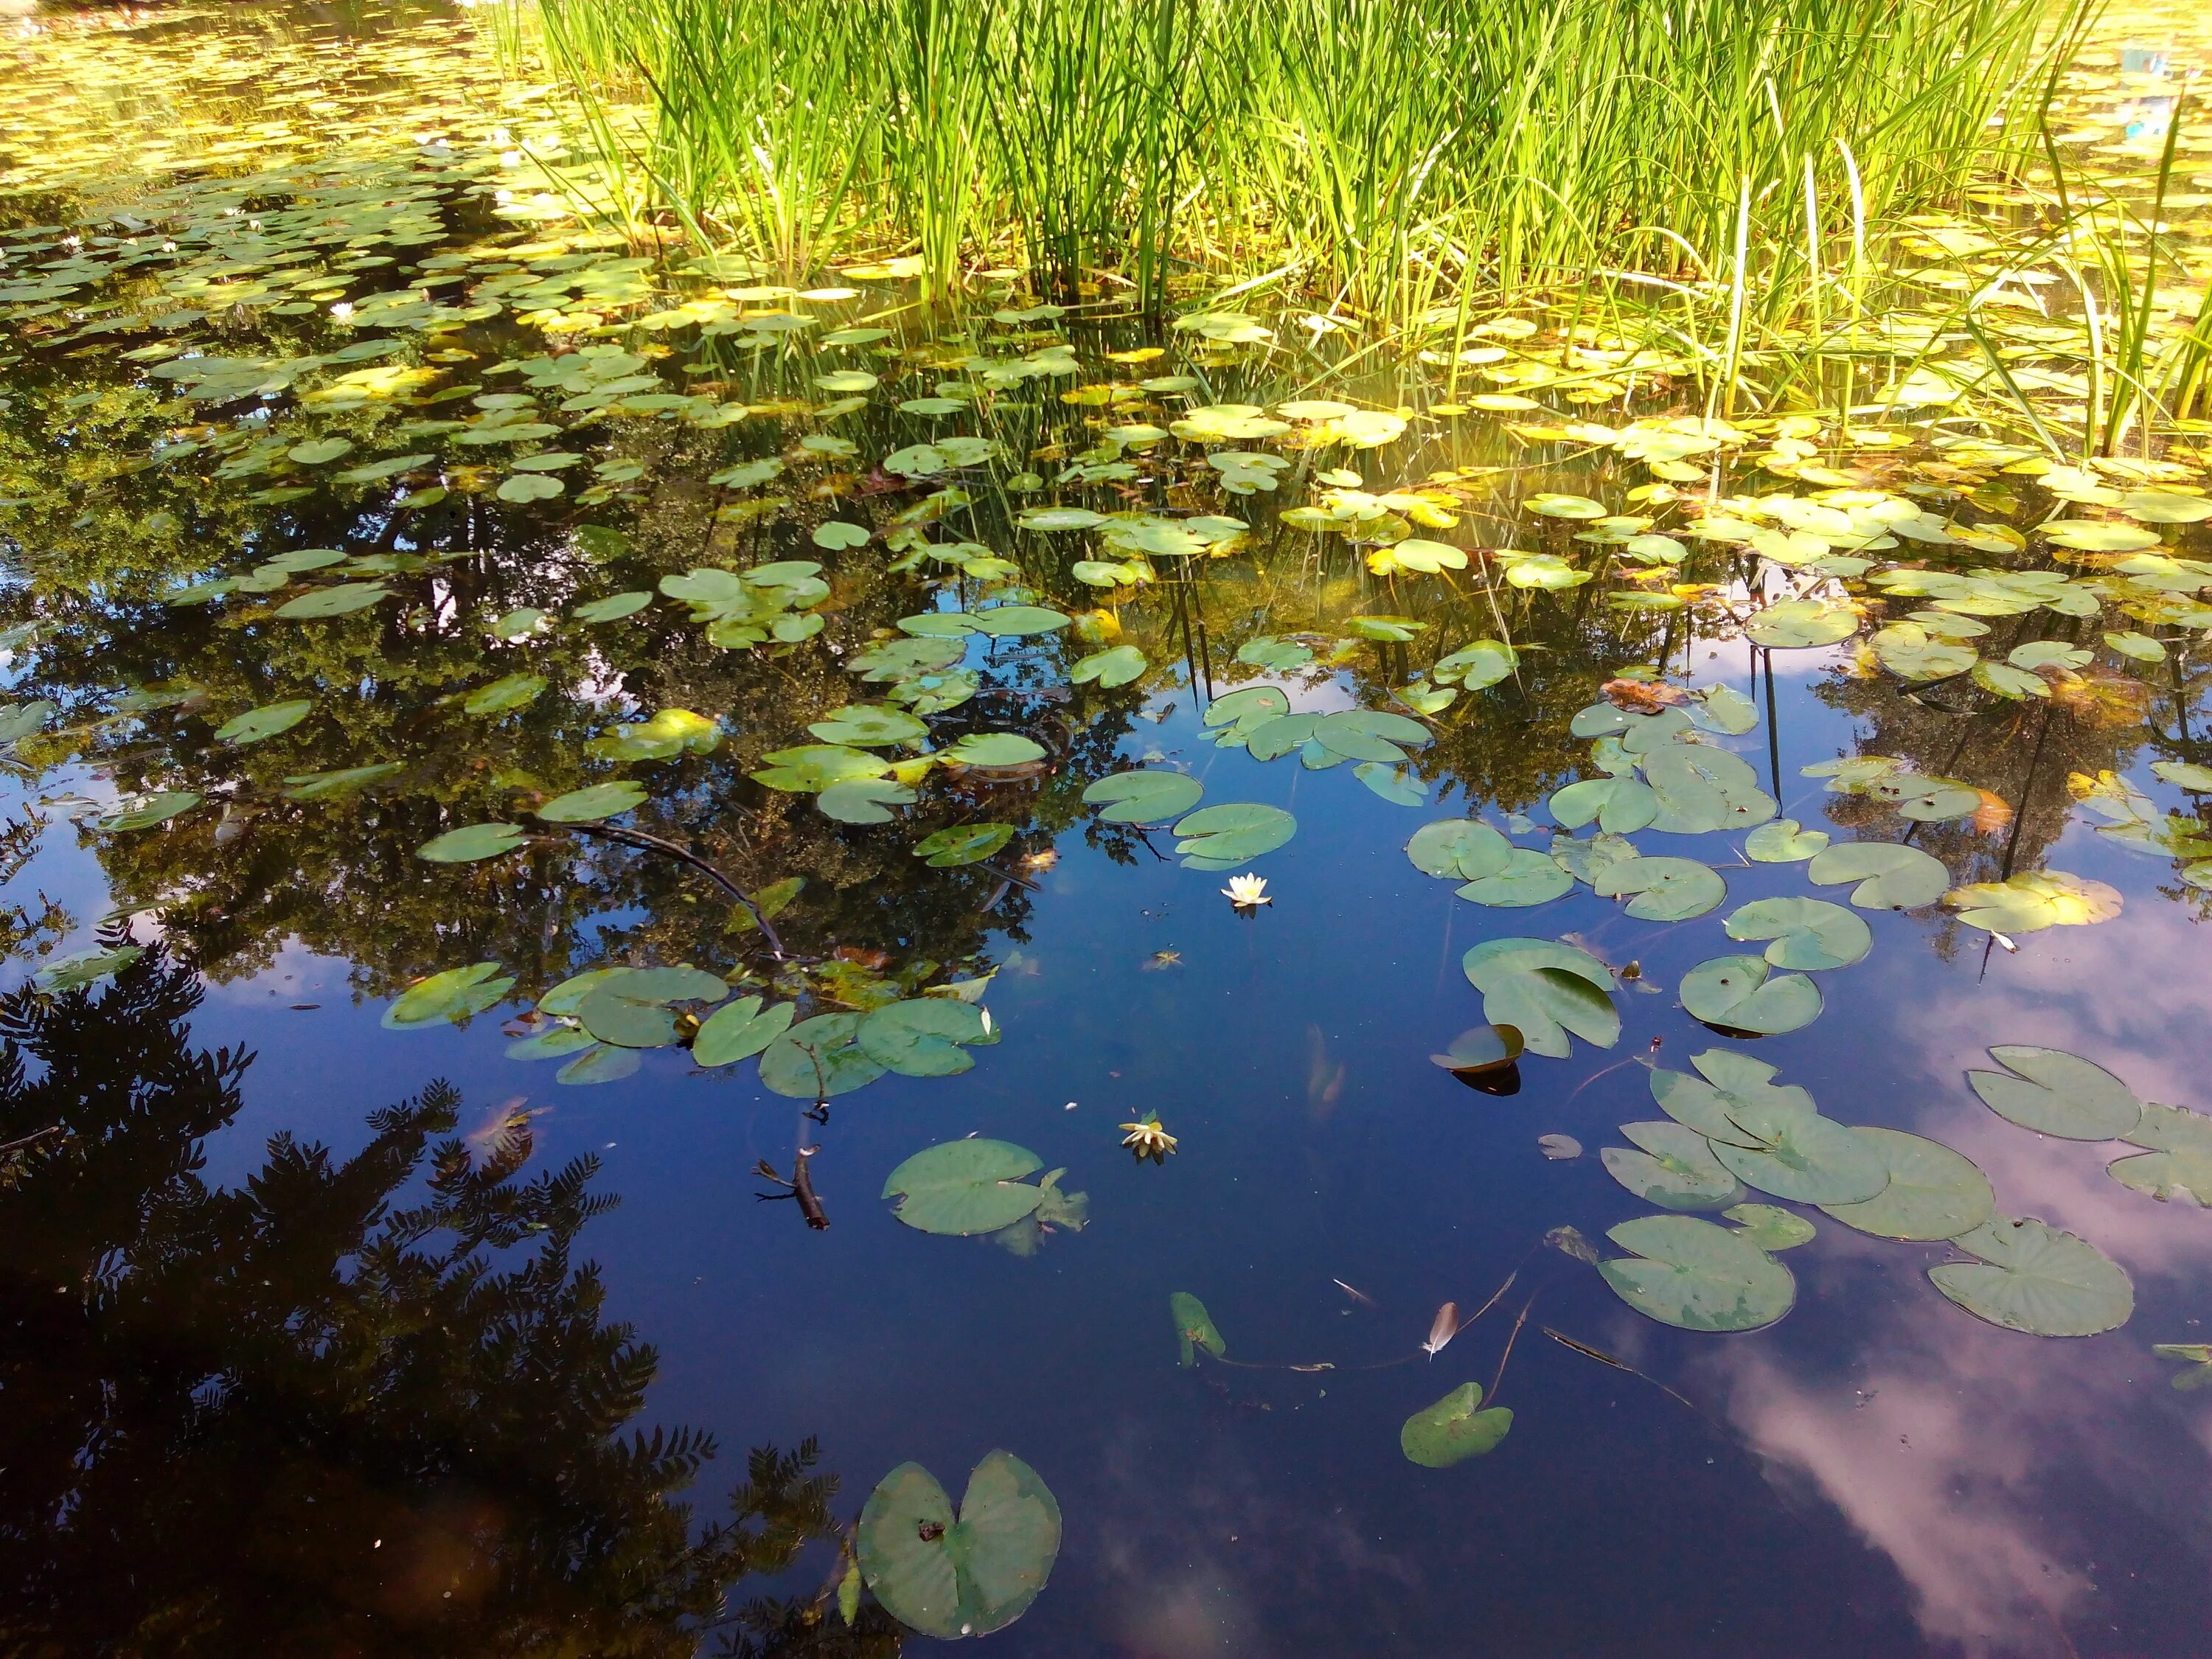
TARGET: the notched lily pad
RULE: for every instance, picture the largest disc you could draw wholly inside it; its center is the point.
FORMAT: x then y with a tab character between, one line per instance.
950	1577
2056	1093
2037	1279
1700	1277
1453	1430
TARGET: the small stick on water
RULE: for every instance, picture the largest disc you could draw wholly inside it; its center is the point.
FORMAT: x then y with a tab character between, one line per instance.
800	1187
1604	1358
1510	1340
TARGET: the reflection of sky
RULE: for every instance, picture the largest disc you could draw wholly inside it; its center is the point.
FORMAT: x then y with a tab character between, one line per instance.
1890	1477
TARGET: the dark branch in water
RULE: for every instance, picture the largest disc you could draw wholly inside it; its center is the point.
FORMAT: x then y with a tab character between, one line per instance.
31	1139
800	1187
638	838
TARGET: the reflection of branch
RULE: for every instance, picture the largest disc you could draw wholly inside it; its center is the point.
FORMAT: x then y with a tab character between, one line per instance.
638	838
31	1139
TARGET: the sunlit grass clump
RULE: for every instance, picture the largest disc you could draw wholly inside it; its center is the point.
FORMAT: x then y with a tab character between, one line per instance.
1388	158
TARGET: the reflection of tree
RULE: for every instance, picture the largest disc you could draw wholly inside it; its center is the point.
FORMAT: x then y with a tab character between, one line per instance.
321	1412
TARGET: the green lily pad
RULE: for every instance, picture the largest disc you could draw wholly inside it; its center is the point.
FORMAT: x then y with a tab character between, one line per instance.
1019	621
558	1043
962	844
1933	1193
324	785
1768	1227
1545	990
1639	734
1234	833
1730	1083
600	1063
449	997
869	725
266	721
1116	665
1663	888
630	1008
471	842
1803	1156
819	1057
811	768
1725	709
1701	788
2037	1279
995	748
1454	1429
1194	1329
965	1187
613	608
738	1031
1477	665
969	1576
589	805
340	601
1736	992
1393	783
1143	797
1675	1168
1251	704
1620	805
82	968
1808	934
923	1037
2056	1093
2186	1174
1458	849
1785	841
562	1001
1693	1274
146	811
1797	623
1480	1049
1529	877
1586	861
864	801
503	695
1889	876
1554	505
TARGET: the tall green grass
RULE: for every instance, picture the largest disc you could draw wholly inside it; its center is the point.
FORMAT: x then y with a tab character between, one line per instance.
1388	157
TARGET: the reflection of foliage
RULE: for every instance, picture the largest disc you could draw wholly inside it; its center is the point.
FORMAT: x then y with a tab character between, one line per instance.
306	1415
21	932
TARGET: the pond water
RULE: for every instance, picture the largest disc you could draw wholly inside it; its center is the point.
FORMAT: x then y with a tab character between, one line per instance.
360	519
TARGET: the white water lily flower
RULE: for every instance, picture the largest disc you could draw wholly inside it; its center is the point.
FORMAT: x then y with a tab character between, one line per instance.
1245	891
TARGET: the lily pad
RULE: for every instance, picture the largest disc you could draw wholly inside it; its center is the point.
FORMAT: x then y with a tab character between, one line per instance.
869	725
1019	621
962	844
1693	1274
965	1187
1933	1192
1620	805
449	997
1797	623
1785	841
1143	797
1737	993
1889	876
471	842
864	801
924	1037
1529	877
995	748
600	1063
1458	849
1768	1227
969	1576
1225	836
819	1057
2030	902
266	721
2056	1093
1116	665
1545	990
147	812
1808	934
598	801
2037	1279
82	968
1803	1156
1664	889
1480	1049
1729	1083
738	1031
1194	1329
630	1008
1454	1429
340	601
1675	1168
346	781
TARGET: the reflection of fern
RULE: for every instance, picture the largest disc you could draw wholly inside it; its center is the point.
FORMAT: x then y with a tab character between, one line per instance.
19	928
311	1418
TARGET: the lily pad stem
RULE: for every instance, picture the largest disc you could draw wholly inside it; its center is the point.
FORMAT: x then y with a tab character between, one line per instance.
654	844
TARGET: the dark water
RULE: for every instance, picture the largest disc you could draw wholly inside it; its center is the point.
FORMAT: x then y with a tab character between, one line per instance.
318	1336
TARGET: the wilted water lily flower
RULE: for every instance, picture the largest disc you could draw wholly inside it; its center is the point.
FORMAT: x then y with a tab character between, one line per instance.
1247	891
1147	1140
